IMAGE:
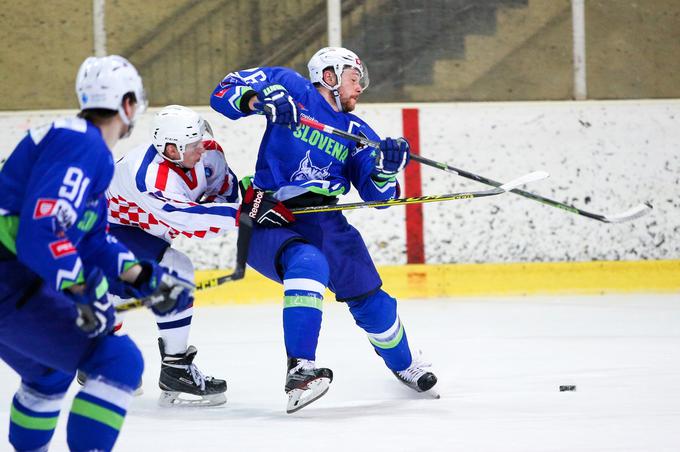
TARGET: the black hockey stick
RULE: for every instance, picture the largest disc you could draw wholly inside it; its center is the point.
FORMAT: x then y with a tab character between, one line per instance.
631	214
530	177
245	232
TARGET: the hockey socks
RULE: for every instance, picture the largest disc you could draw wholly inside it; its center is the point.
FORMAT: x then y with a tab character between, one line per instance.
305	277
174	330
377	315
33	418
302	313
97	415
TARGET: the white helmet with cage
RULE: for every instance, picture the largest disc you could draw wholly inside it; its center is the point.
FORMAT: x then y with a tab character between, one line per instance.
180	126
103	81
337	58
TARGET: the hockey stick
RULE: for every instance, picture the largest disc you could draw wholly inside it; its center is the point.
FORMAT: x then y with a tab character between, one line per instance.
631	214
530	177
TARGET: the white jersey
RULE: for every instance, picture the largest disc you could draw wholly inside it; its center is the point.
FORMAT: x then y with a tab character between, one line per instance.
165	200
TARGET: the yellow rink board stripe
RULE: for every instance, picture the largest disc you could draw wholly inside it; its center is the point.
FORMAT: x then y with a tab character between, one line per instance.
451	280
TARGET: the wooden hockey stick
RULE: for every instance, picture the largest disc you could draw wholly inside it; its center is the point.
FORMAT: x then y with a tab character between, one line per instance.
631	214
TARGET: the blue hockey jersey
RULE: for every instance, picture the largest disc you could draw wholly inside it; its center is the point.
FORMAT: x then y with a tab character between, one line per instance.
307	160
53	209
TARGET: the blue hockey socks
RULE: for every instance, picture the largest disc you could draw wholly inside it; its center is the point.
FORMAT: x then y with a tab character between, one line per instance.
305	277
377	315
98	410
35	411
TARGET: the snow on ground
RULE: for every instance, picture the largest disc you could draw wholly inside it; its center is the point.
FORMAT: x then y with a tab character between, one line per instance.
500	362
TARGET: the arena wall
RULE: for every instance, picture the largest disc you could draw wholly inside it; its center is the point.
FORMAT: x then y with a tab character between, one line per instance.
603	157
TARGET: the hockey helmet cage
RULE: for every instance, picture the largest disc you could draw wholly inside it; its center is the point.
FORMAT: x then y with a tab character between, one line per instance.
180	126
103	81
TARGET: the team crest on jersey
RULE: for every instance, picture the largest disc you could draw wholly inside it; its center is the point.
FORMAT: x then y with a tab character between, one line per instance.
65	214
44	208
62	248
307	170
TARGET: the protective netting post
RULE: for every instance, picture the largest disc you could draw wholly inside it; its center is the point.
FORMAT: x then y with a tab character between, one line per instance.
334	10
99	27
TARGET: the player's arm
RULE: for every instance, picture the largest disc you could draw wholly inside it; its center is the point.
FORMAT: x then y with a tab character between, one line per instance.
189	218
374	171
52	215
222	183
100	249
267	91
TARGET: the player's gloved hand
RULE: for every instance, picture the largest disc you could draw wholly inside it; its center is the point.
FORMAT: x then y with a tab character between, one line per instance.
95	311
160	290
394	155
278	106
262	208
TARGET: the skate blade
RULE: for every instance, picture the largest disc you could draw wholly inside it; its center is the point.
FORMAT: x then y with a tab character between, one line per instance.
171	399
300	398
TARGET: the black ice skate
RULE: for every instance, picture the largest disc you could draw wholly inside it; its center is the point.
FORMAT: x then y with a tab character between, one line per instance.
305	383
416	377
182	383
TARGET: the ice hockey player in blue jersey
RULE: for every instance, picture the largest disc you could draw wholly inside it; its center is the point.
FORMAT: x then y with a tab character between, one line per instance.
302	166
58	262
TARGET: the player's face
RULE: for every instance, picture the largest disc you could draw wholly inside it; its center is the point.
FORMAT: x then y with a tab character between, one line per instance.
350	89
192	154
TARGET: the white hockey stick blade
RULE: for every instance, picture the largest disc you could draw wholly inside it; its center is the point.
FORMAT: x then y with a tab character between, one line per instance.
530	177
636	212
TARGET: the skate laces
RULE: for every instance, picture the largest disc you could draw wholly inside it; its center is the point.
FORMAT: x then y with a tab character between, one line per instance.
417	369
303	364
197	376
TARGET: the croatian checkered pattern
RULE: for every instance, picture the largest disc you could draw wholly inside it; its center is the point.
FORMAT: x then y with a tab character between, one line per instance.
122	211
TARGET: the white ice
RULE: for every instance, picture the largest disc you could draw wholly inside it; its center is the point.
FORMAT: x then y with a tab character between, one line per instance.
500	362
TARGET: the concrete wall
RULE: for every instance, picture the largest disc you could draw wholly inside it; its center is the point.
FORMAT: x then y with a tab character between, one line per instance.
603	157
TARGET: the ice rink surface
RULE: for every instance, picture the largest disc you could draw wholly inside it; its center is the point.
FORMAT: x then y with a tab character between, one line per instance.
500	362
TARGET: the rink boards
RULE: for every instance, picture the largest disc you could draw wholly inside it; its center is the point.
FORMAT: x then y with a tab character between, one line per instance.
452	280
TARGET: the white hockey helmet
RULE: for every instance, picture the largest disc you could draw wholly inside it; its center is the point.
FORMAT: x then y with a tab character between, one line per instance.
337	58
103	81
177	125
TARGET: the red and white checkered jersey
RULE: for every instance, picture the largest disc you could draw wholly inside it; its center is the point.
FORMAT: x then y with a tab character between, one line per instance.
167	200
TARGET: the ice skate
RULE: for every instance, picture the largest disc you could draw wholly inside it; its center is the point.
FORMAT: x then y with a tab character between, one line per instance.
305	383
417	377
182	384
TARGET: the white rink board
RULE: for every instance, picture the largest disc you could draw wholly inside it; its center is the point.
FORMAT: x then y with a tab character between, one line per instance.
500	362
603	157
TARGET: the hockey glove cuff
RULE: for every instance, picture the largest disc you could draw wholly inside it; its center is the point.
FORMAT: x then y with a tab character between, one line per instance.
161	290
265	210
95	311
393	156
278	106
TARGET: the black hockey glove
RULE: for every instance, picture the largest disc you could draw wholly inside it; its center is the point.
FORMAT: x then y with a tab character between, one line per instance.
259	207
161	290
394	155
95	312
278	106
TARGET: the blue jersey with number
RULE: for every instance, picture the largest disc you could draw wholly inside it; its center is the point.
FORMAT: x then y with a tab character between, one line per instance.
307	160
53	209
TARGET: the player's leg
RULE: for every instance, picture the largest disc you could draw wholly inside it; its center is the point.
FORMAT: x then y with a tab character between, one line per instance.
377	315
282	256
355	280
43	330
114	369
180	379
36	404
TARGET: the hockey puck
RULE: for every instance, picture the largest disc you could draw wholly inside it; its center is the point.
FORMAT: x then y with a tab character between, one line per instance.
567	388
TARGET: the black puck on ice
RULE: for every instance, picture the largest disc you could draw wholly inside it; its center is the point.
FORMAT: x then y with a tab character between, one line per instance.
567	388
